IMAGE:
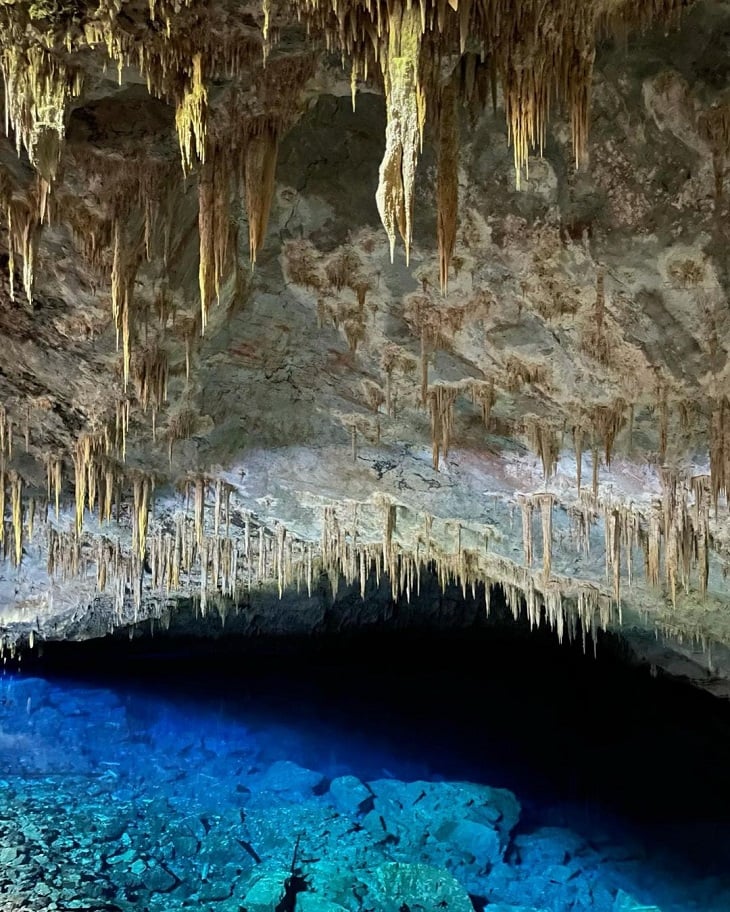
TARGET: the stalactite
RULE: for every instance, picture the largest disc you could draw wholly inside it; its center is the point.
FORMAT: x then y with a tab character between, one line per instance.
701	489
613	523
149	372
124	270
259	176
719	450
544	442
16	506
54	469
447	183
546	516
142	486
441	401
200	485
405	102
38	87
578	448
663	423
483	393
653	553
214	226
23	228
122	413
713	126
191	117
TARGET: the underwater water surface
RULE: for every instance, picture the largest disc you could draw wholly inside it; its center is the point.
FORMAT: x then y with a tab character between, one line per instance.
493	770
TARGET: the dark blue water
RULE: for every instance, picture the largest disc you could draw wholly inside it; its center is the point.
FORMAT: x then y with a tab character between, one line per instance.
164	777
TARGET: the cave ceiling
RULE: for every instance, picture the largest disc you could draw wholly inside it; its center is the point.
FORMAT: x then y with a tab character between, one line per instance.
363	289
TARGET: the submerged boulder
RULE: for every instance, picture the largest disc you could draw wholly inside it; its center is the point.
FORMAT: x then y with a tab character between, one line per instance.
626	903
419	887
287	778
460	821
350	795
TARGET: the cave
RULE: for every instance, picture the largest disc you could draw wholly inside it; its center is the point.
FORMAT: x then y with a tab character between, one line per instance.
364	516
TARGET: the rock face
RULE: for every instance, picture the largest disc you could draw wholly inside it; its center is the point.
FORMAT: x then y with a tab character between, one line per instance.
518	378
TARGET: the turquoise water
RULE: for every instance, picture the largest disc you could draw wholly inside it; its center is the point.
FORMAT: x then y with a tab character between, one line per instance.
382	779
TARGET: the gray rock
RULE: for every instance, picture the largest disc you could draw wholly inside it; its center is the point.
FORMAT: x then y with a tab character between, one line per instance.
549	845
435	819
349	793
159	880
287	777
507	907
314	902
214	891
420	887
479	842
626	903
266	892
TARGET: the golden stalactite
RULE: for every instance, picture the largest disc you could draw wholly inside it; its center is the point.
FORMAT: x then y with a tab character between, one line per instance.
719	450
90	449
441	401
191	117
142	487
38	88
214	226
713	126
259	169
149	373
526	509
22	217
54	470
405	103
544	442
483	394
578	448
605	423
16	510
3	480
447	181
545	502
124	271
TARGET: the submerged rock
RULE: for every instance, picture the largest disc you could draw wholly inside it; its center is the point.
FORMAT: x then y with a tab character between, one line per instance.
626	903
285	777
421	888
444	822
350	794
265	893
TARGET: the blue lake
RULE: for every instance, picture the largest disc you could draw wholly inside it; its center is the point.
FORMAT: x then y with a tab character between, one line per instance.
369	774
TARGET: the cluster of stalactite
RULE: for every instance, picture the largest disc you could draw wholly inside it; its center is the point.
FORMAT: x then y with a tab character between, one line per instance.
459	555
533	50
198	549
670	538
248	164
41	78
536	51
121	214
206	546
